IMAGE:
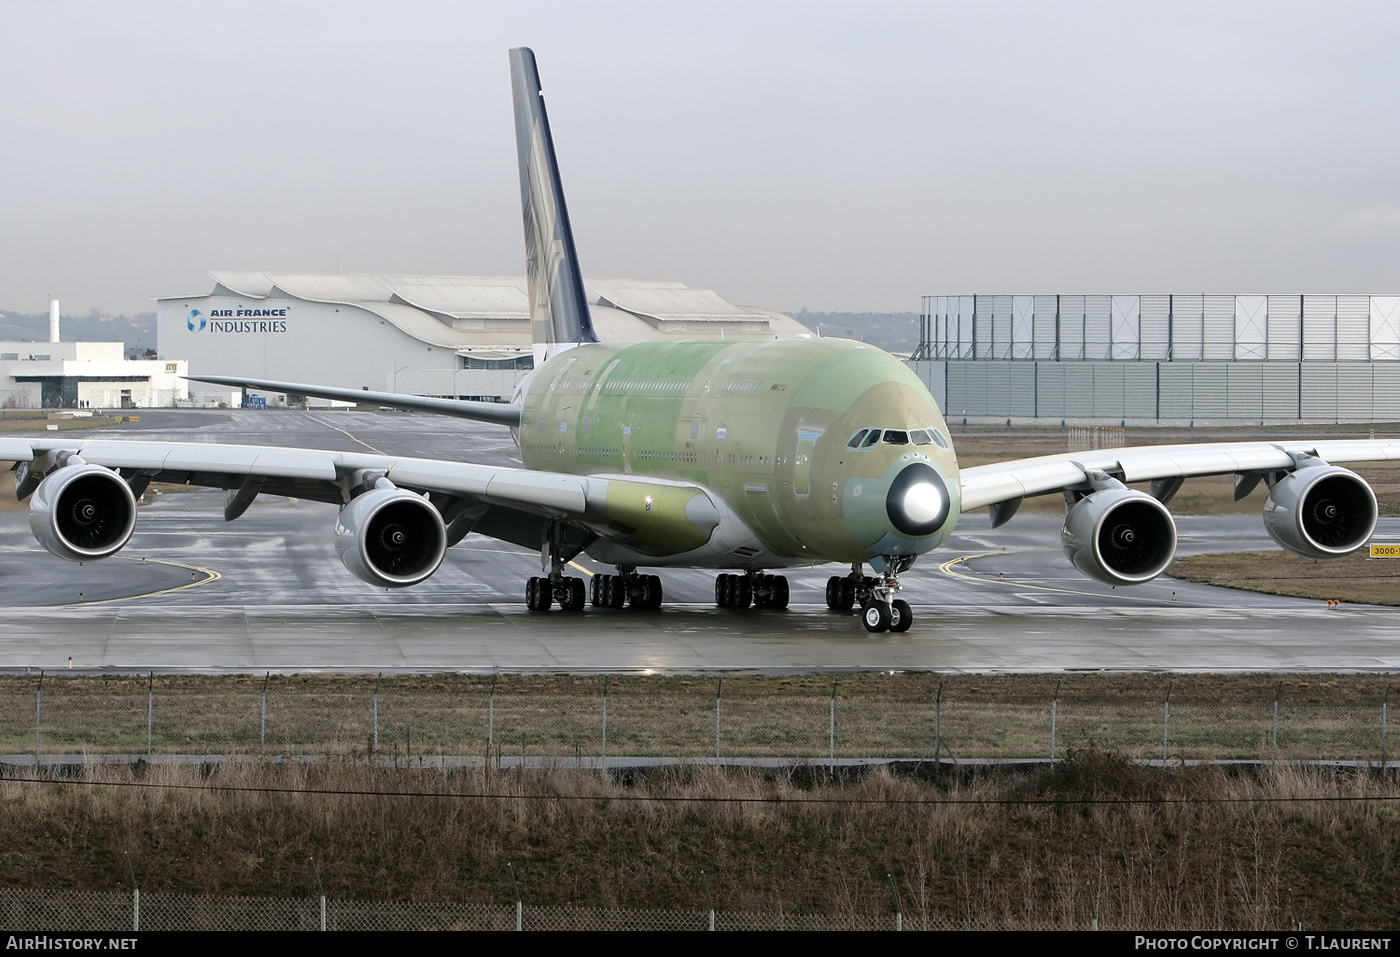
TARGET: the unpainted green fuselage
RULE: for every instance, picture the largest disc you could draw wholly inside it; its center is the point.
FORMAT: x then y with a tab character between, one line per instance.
761	426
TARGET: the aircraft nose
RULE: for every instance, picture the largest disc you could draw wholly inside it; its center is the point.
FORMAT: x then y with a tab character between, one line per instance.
918	501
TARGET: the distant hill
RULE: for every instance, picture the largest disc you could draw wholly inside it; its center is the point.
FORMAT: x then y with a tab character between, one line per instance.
891	331
138	331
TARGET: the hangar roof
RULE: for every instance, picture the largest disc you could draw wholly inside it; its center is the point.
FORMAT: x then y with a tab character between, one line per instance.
476	313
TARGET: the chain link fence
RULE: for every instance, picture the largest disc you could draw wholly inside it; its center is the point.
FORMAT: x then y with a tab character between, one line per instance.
512	719
78	911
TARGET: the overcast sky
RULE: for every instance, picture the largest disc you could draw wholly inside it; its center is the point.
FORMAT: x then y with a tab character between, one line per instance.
833	156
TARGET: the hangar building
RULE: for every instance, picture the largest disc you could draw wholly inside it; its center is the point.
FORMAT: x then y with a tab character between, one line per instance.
456	336
1185	359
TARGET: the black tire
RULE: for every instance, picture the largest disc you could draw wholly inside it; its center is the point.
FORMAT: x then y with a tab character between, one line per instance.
575	597
780	592
743	591
902	615
719	590
654	599
617	591
833	593
848	594
876	617
593	584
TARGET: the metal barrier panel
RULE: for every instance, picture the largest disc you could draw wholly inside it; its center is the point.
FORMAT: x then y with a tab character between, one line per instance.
999	385
1050	389
1285	328
1140	391
1385	391
1072	328
1125	331
1108	388
1154	327
1174	390
1317	392
1251	327
1209	385
1098	327
1079	390
1355	402
1320	328
1385	328
983	327
1001	326
1022	327
1353	328
1279	382
1245	390
1188	314
1045	333
1218	327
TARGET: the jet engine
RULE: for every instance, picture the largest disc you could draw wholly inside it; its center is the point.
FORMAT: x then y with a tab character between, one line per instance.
1321	511
1119	536
391	537
82	512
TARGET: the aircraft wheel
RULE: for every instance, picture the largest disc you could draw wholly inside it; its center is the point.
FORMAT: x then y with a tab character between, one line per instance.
574	596
743	591
654	599
538	594
876	617
780	594
595	588
847	594
721	598
833	593
901	615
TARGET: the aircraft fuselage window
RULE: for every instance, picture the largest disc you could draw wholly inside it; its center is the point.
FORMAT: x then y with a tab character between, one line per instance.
896	437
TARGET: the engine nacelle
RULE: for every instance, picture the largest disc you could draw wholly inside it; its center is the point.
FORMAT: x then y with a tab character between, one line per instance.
1119	536
82	512
1321	511
390	537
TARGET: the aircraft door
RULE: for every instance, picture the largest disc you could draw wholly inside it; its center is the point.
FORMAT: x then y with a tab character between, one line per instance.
802	461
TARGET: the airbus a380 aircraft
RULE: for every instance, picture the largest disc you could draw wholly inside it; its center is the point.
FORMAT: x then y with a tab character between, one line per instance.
742	456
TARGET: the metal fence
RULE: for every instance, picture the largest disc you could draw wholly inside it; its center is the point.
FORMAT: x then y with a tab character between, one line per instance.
77	911
512	719
1177	328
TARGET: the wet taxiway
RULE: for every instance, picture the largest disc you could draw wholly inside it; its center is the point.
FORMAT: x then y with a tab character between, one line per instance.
193	593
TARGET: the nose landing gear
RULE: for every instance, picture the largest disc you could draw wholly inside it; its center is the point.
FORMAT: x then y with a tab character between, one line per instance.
880	610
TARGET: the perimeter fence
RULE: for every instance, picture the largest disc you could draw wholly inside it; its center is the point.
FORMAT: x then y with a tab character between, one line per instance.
598	719
78	911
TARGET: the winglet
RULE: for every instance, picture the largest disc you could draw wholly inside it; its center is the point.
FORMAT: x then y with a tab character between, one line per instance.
558	306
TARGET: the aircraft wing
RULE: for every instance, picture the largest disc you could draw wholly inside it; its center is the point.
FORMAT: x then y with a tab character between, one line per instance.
497	413
1005	482
511	504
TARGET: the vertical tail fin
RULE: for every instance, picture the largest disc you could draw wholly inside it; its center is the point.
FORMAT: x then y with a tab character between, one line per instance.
558	307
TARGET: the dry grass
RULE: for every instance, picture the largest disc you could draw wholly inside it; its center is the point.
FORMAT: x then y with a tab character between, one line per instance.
985	849
554	716
1356	579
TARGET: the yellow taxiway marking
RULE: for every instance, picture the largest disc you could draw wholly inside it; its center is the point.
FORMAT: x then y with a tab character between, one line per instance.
352	436
947	569
581	568
213	576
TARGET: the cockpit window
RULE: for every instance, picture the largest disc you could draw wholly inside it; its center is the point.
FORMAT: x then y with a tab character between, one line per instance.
920	437
939	439
872	439
855	439
896	437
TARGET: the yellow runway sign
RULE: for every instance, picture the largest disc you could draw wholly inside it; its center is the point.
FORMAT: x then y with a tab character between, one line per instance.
1385	551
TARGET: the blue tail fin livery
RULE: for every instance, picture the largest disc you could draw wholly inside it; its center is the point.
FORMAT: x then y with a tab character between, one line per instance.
558	307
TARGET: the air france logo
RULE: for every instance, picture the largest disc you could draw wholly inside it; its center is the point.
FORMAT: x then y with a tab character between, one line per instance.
196	321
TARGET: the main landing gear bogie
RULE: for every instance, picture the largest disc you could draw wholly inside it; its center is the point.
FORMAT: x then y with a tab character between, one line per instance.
755	588
542	592
614	591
